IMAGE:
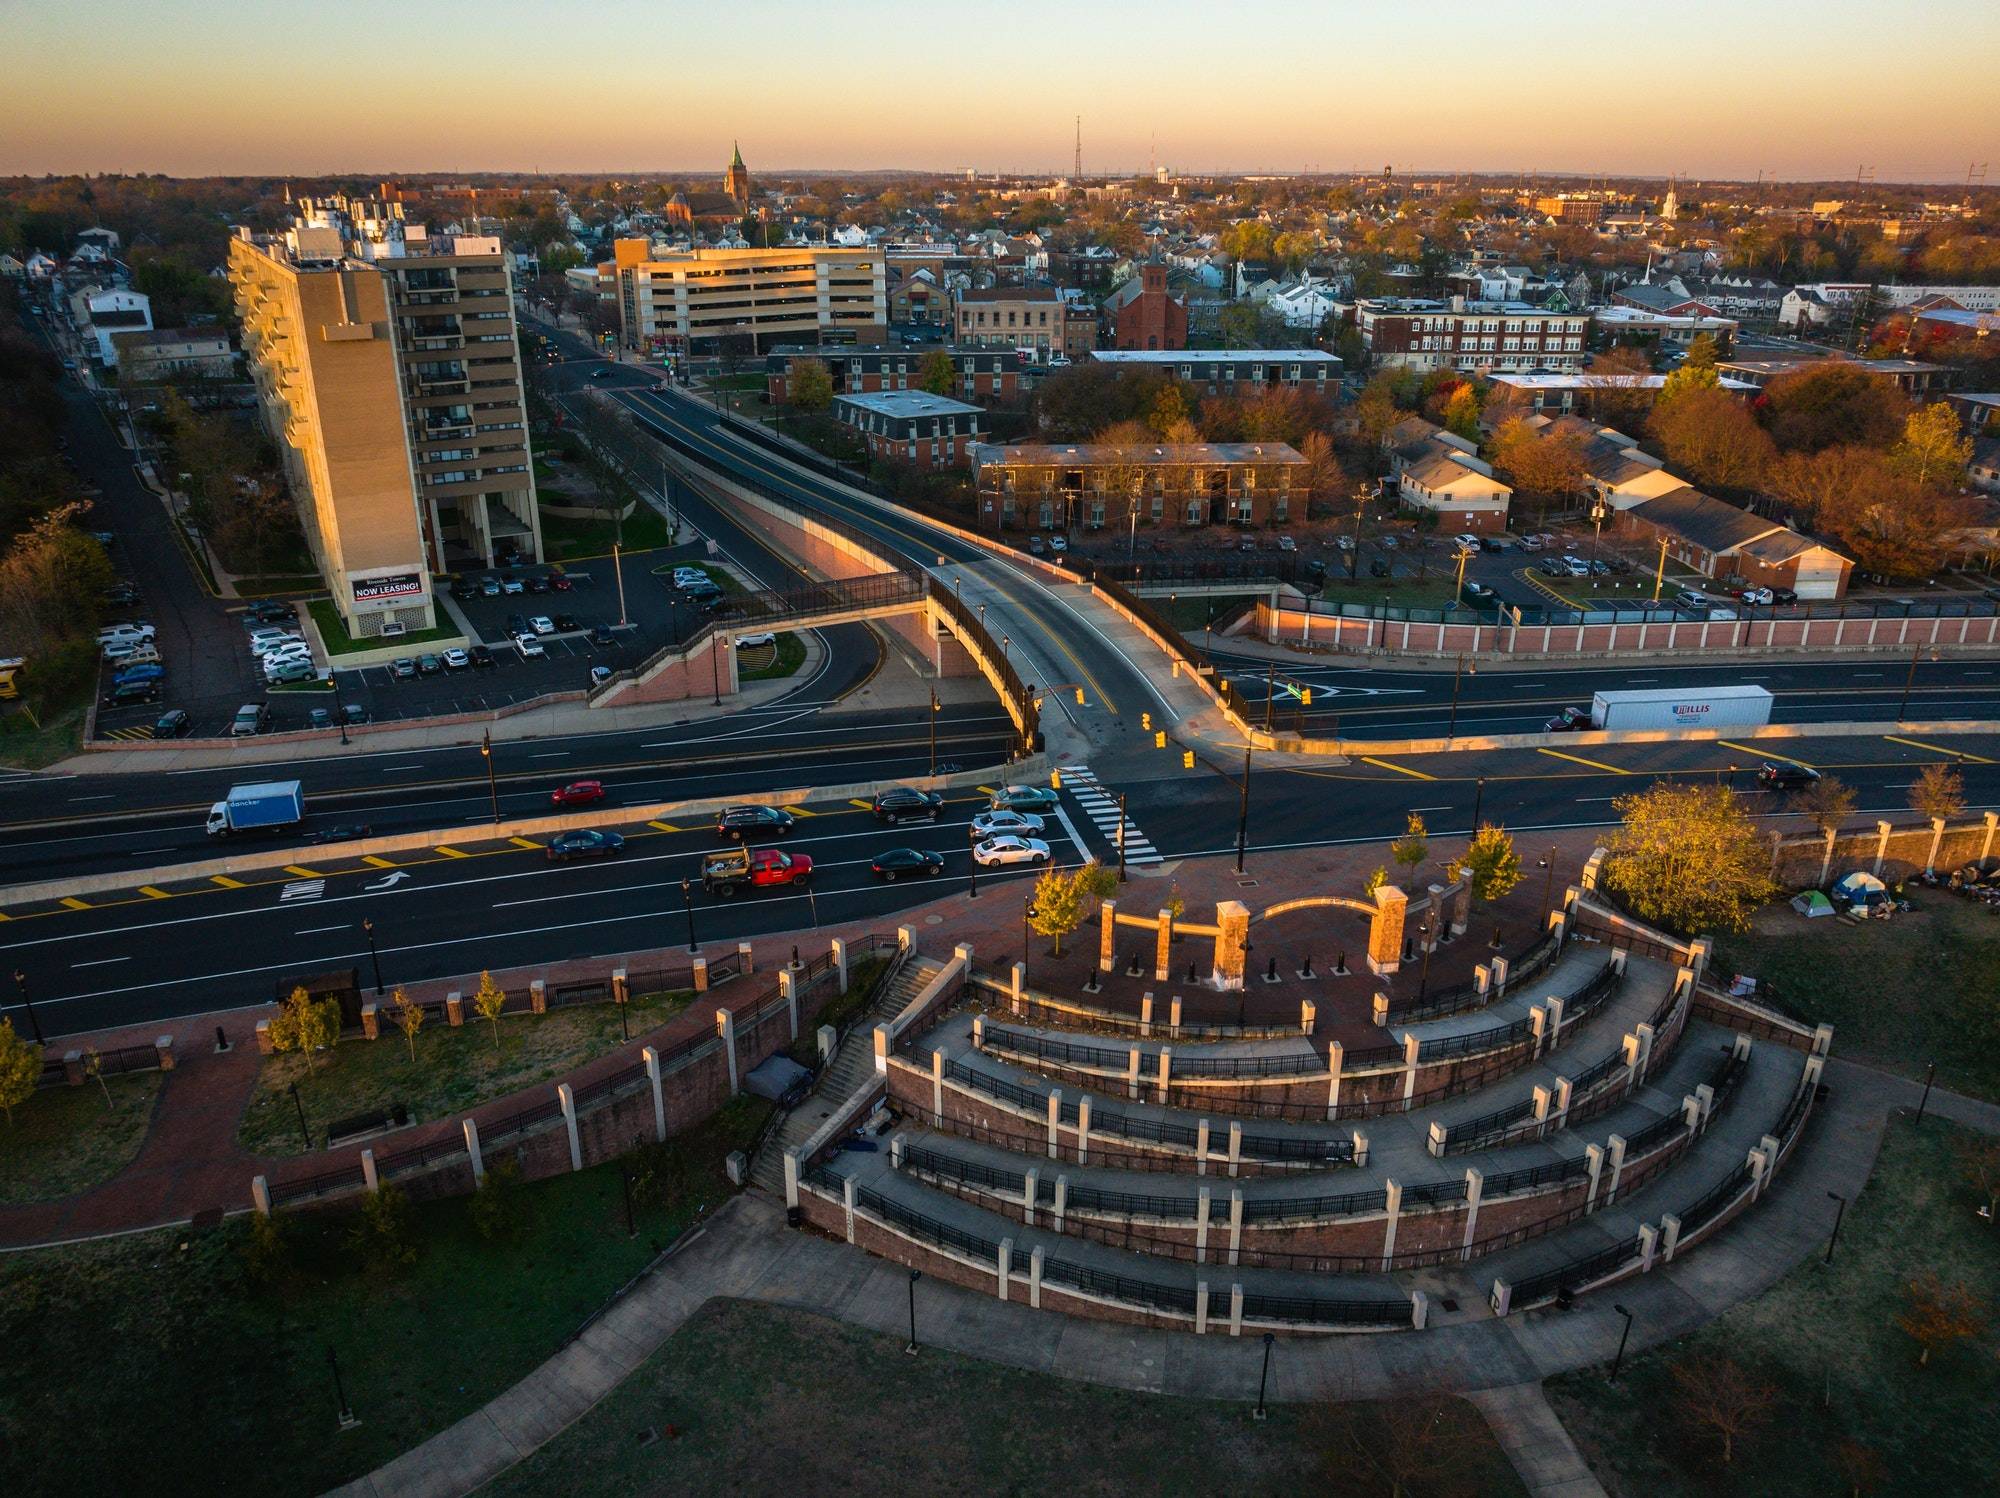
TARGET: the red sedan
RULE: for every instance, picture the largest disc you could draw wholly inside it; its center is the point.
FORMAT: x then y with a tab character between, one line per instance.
578	793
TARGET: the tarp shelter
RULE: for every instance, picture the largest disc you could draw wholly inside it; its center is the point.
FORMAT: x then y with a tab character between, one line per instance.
1861	889
776	1076
1812	903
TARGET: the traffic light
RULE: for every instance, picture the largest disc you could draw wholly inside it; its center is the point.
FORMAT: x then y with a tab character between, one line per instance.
1160	739
1305	696
1146	720
1079	696
1187	759
1055	780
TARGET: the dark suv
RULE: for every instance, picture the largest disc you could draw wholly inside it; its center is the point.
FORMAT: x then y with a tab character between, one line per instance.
904	803
1771	777
738	823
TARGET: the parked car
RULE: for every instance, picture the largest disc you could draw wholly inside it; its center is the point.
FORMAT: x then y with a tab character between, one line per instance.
584	842
578	793
542	624
251	718
904	803
995	823
403	668
428	664
1037	547
133	693
537	583
1480	593
1531	543
285	673
128	673
1757	595
600	634
1552	567
756	641
1008	850
1025	798
174	723
271	611
339	832
1576	566
517	624
481	657
512	584
1286	543
740	822
566	624
530	647
353	714
906	863
1466	541
456	660
1784	595
489	587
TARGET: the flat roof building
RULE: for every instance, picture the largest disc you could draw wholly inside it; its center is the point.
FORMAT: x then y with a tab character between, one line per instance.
912	426
1486	337
1095	484
387	366
692	300
1235	371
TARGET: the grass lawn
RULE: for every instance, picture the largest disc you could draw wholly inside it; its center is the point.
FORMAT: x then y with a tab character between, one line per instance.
65	1139
1191	615
455	1069
334	634
567	539
786	659
161	1364
1432	592
282	585
750	1398
1930	977
26	747
1826	1340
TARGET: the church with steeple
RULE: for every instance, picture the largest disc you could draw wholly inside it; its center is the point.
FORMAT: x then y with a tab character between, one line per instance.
736	181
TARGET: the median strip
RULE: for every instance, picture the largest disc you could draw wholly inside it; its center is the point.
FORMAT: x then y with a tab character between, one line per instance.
1399	769
1977	759
1578	759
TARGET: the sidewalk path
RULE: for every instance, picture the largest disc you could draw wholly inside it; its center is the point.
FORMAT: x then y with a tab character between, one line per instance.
1535	1441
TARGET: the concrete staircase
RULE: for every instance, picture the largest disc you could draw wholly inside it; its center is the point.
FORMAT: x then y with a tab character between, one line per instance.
853	1068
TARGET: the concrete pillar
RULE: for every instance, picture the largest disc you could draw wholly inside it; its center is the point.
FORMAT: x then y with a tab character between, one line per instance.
1593	1159
1378	1010
1499	966
1882	830
1412	1047
1543	1098
1502	1298
1538	1027
454	1009
1145	1019
567	1098
1004	1269
1235	1224
837	947
621	986
472	1150
1035	1279
898	1147
1670	1236
1360	1149
1235	1310
1645	1033
1564	1092
369	1177
1017	980
1615	1148
1083	1131
792	1177
1992	820
1031	1190
1235	1147
1165	1078
1232	940
979	1032
700	975
1937	841
652	1059
1559	927
1107	936
1062	1202
937	1089
265	1047
883	1044
1554	1006
1436	1140
1202	1203
1336	1058
1201	1308
1691	1113
163	1052
1385	930
1420	1310
1174	1017
260	1195
538	996
847	1204
1055	1121
1822	1040
1308	1016
1163	946
1132	1073
725	1026
1618	958
1629	1047
746	953
1461	904
1201	1147
1482	979
906	938
371	1024
1395	1211
788	987
1649	1242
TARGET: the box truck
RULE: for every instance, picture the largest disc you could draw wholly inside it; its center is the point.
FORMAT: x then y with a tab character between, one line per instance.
269	806
1682	707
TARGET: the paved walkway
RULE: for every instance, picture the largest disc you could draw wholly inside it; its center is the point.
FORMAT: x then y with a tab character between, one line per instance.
1535	1441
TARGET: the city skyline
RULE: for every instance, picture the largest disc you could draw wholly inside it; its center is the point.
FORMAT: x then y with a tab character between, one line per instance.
186	91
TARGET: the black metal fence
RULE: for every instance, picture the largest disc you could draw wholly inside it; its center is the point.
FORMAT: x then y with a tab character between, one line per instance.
1314	1311
116	1062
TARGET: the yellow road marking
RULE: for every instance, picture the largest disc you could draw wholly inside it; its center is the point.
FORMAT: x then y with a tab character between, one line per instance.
1977	759
800	811
864	805
664	826
4	916
1766	754
302	871
225	881
452	852
524	842
987	790
1578	759
73	903
154	891
1399	769
377	860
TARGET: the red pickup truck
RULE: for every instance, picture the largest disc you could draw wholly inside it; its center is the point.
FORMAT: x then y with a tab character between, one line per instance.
726	875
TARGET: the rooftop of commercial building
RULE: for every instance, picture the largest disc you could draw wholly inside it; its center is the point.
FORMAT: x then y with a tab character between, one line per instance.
1160	453
908	403
1212	355
1434	305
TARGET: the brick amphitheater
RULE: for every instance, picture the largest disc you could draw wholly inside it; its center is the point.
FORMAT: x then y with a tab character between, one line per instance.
1586	1113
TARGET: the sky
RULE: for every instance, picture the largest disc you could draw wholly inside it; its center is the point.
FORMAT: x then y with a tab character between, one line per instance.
1702	88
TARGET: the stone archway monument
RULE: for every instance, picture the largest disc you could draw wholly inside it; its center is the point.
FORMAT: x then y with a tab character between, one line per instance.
1231	932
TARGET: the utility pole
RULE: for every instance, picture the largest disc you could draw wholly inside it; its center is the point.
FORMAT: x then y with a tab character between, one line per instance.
933	727
492	785
1243	809
618	569
1121	837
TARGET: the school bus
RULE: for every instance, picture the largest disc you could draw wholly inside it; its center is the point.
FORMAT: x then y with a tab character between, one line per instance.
9	669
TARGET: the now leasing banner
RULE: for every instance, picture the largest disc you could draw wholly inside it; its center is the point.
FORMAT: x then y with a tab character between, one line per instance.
380	589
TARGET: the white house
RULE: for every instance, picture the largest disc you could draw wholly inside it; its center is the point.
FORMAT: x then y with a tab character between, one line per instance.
1305	303
1459	487
100	315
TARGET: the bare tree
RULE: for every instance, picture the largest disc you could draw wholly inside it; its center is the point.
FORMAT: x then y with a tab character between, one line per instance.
1939	1313
1426	1445
1717	1395
1979	1159
1826	803
1939	791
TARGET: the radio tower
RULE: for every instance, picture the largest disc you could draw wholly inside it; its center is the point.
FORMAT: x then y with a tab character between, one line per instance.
1076	172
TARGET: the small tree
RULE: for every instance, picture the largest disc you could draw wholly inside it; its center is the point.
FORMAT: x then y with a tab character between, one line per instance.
383	1233
810	385
495	1205
1716	1394
93	1067
306	1025
1979	1158
489	999
1826	803
20	1067
937	373
1413	846
1377	877
1061	905
1939	1313
268	1248
1424	1444
409	1018
1939	791
1688	857
1491	861
1861	1465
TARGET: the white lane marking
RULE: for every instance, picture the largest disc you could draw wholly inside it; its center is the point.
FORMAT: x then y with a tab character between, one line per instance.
557	754
88	798
389	769
316	930
100	962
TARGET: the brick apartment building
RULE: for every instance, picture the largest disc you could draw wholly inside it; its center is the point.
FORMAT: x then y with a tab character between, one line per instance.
1154	319
1039	321
1093	485
1734	547
988	375
1235	371
912	426
1481	337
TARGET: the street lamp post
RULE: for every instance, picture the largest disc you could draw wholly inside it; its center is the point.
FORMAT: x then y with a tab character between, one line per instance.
1478	798
305	1134
346	1414
1270	692
1027	915
34	1024
1121	837
1548	882
368	930
1930	1076
1839	1212
687	908
1457	675
1619	1357
1264	1379
971	874
1909	681
492	784
915	1275
932	719
1424	970
1243	809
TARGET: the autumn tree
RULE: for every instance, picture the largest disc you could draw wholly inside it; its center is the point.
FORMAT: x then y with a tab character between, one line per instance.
1717	1395
1170	409
1249	239
1711	437
1491	861
409	1016
306	1025
1375	411
810	385
1686	380
1413	846
1870	508
1932	451
93	1068
1829	401
1547	467
937	373
1937	1313
1701	352
1938	791
1324	479
1461	412
489	999
1688	857
1615	383
1065	899
20	1069
1826	802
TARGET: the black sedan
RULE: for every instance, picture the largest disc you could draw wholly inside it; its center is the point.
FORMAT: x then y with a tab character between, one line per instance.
340	832
585	842
173	724
1786	777
907	863
740	822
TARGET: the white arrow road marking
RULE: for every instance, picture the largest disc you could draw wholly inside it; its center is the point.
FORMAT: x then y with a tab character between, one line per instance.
390	880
